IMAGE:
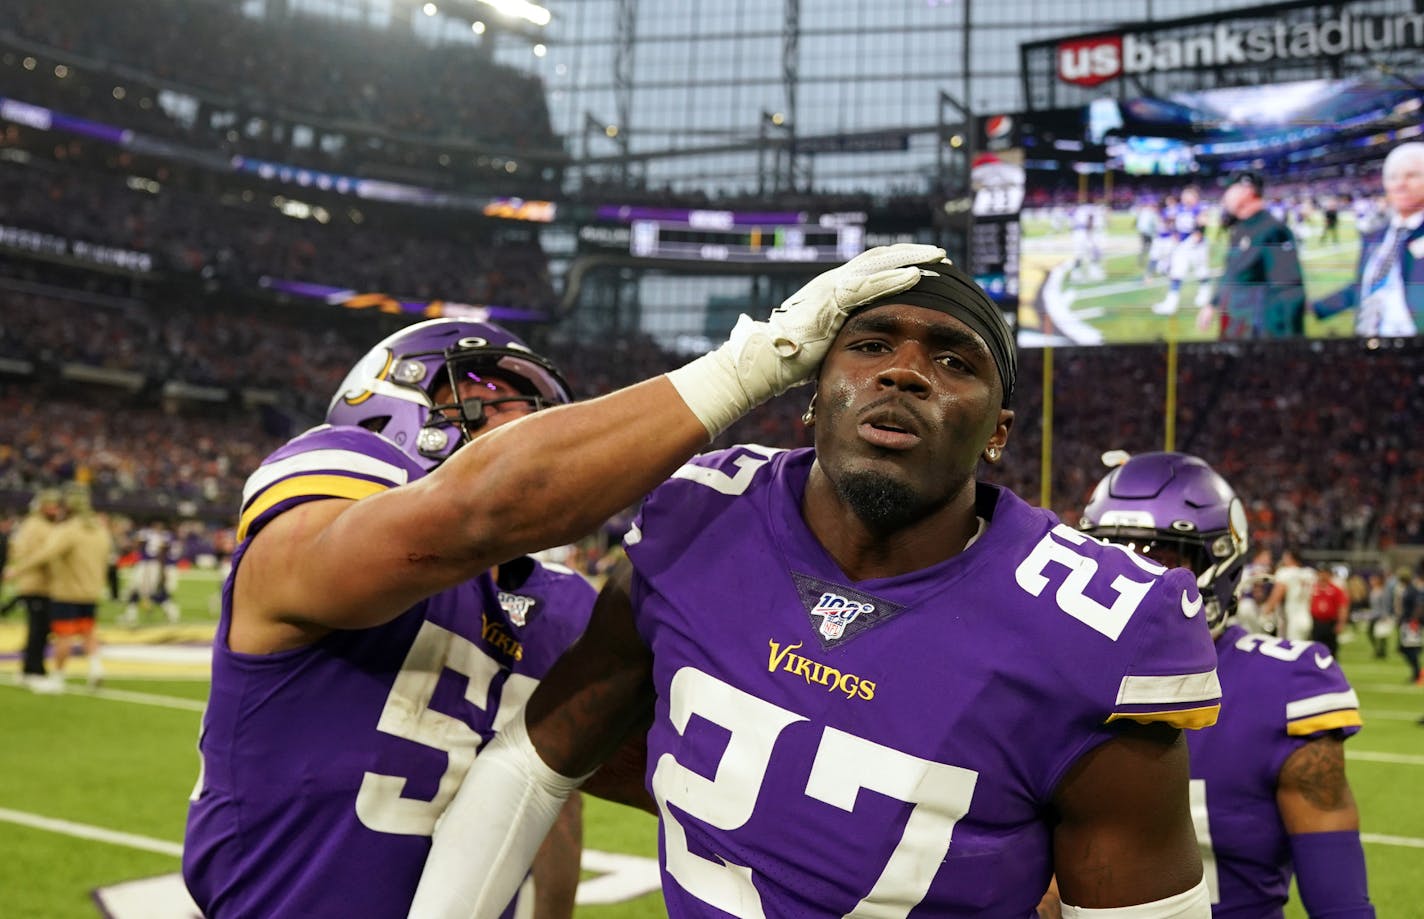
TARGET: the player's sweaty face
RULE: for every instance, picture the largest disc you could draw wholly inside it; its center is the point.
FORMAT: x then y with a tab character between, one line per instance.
907	392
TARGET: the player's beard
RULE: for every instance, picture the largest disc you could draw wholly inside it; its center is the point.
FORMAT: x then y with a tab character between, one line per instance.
883	503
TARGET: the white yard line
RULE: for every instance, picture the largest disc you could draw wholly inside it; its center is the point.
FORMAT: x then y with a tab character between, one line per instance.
1398	759
95	833
77	690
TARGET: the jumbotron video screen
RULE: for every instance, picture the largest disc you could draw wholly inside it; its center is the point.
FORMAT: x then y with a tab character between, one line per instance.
1124	235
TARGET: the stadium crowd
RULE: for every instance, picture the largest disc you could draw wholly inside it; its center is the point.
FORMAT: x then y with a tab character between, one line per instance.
234	61
1318	433
247	238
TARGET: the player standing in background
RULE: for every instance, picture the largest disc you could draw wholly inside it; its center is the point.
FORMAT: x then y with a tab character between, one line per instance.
151	578
32	587
1188	224
877	686
1159	257
1148	223
1088	222
366	652
1269	791
1255	587
1289	600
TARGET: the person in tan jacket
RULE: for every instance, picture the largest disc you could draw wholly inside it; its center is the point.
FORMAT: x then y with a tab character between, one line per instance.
31	582
76	559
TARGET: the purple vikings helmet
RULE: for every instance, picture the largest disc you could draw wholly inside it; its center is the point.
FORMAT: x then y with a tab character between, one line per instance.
391	389
1177	503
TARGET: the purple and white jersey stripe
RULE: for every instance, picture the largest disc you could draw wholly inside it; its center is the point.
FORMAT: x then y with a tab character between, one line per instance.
324	768
1279	694
823	747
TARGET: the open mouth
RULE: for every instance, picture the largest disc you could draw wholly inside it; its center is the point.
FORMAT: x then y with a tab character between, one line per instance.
890	430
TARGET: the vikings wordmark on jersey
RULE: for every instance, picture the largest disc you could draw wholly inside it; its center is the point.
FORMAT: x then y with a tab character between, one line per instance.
885	747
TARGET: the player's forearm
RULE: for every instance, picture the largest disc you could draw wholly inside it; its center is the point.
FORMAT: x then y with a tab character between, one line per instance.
554	476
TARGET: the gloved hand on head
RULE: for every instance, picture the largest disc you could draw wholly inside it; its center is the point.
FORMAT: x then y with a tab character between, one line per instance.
764	359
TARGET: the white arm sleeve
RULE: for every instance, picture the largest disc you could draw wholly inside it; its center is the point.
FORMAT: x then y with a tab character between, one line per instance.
486	840
1189	904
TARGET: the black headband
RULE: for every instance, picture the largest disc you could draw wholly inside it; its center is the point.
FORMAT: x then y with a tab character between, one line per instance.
944	287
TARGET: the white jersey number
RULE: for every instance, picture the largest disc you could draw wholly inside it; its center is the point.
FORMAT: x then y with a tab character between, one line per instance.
1280	649
1071	595
844	764
381	803
747	466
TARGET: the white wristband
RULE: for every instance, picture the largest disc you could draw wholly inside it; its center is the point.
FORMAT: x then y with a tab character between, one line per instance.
710	387
487	838
1189	904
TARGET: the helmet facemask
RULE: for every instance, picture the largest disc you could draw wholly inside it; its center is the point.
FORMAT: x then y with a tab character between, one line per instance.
392	390
1217	559
538	385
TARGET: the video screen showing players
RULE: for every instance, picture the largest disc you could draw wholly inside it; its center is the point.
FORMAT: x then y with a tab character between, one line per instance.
1124	232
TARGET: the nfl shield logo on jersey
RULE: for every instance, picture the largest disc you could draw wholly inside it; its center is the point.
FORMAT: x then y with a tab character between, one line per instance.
837	612
517	608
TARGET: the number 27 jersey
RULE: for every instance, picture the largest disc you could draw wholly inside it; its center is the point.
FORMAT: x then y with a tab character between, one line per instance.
888	747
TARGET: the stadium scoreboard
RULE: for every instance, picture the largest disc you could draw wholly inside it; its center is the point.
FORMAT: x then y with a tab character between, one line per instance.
725	236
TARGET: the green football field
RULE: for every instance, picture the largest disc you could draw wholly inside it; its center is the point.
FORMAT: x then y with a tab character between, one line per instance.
94	786
1119	306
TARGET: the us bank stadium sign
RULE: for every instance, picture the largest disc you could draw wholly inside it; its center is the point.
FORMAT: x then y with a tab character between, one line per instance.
1280	34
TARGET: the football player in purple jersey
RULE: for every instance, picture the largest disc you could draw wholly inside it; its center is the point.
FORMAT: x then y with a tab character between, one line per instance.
1269	792
877	686
366	651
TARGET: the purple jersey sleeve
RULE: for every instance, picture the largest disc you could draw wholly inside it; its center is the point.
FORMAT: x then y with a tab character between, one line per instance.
325	462
1171	676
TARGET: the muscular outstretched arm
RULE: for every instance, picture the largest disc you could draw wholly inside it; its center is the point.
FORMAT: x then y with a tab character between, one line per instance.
1124	832
545	479
540	481
596	696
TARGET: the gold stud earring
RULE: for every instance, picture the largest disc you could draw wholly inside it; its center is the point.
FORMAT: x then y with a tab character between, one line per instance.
992	454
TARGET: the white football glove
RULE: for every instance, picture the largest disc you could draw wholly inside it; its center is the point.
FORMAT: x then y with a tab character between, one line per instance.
764	359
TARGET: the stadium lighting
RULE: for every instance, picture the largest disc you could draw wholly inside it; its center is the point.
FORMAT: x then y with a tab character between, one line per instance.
610	130
430	9
477	27
540	50
521	9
